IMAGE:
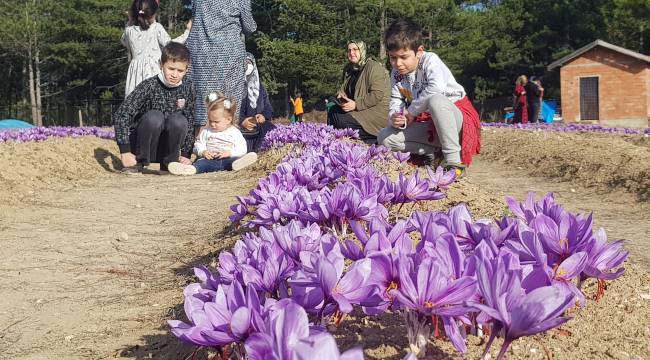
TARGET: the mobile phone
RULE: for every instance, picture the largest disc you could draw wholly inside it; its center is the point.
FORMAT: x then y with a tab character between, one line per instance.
339	101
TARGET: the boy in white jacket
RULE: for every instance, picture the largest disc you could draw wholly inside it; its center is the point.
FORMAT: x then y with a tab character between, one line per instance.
220	145
427	106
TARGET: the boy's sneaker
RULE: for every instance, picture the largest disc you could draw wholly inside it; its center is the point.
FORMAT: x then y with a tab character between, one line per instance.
133	170
244	161
459	168
177	168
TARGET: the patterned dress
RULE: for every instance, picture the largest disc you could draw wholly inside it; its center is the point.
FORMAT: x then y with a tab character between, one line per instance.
144	51
217	50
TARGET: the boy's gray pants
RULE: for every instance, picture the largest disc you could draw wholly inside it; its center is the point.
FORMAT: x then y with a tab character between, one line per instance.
448	121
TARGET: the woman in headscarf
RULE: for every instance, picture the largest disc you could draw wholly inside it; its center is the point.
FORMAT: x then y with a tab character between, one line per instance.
256	111
363	98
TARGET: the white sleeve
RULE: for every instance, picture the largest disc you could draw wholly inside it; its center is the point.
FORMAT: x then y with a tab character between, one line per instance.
396	99
437	75
124	38
163	36
182	38
239	149
201	143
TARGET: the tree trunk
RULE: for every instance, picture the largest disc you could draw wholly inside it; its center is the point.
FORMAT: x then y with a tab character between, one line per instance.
39	106
32	89
382	30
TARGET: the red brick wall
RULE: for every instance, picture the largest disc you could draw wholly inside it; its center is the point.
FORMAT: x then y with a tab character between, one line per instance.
624	85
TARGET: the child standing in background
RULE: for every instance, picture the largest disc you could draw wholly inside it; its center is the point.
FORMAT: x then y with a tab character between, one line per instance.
297	106
144	37
220	145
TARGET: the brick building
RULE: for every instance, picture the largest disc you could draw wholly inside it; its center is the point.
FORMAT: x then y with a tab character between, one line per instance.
605	84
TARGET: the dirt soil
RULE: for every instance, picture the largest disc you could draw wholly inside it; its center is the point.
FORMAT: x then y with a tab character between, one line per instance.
94	262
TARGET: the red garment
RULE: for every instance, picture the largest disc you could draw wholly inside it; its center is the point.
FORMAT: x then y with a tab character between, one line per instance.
521	107
470	136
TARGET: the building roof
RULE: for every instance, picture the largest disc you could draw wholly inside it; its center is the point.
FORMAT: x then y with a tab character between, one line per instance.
592	45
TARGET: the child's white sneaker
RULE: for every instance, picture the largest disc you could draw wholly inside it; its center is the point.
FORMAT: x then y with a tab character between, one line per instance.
244	161
177	168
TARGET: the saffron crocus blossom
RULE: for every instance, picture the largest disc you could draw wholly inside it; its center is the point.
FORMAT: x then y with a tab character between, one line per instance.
518	315
287	335
440	179
563	237
369	183
603	257
384	276
381	237
295	238
409	189
401	156
347	157
347	203
426	288
329	289
219	317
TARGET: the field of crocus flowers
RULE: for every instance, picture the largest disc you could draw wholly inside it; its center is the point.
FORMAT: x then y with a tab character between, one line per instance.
328	249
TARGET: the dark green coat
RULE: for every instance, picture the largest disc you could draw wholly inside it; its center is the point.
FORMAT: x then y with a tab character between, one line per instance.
372	96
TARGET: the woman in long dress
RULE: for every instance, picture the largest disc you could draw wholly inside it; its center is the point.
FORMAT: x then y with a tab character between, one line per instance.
217	49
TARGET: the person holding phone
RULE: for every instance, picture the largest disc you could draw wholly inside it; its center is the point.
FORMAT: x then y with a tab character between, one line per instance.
362	100
256	112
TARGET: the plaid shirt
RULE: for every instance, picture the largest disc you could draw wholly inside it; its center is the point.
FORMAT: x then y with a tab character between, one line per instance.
151	94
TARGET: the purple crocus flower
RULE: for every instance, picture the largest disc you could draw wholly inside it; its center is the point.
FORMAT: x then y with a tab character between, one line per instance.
219	317
427	289
401	156
440	179
295	238
288	336
409	189
518	315
603	257
327	289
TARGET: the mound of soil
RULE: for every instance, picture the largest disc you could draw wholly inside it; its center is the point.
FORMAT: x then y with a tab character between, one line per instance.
601	160
57	163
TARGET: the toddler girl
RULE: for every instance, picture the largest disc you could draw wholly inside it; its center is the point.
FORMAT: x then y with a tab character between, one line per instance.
220	145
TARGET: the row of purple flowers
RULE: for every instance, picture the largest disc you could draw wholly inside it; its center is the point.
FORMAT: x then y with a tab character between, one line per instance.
327	204
44	133
572	127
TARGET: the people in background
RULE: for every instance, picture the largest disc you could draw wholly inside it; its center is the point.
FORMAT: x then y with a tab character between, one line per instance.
256	110
144	38
363	98
297	107
533	99
520	101
217	48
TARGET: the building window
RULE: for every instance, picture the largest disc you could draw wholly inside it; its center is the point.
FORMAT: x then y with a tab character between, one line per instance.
589	98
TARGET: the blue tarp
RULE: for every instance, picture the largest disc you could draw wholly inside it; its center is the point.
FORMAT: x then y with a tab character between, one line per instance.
548	112
14	124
